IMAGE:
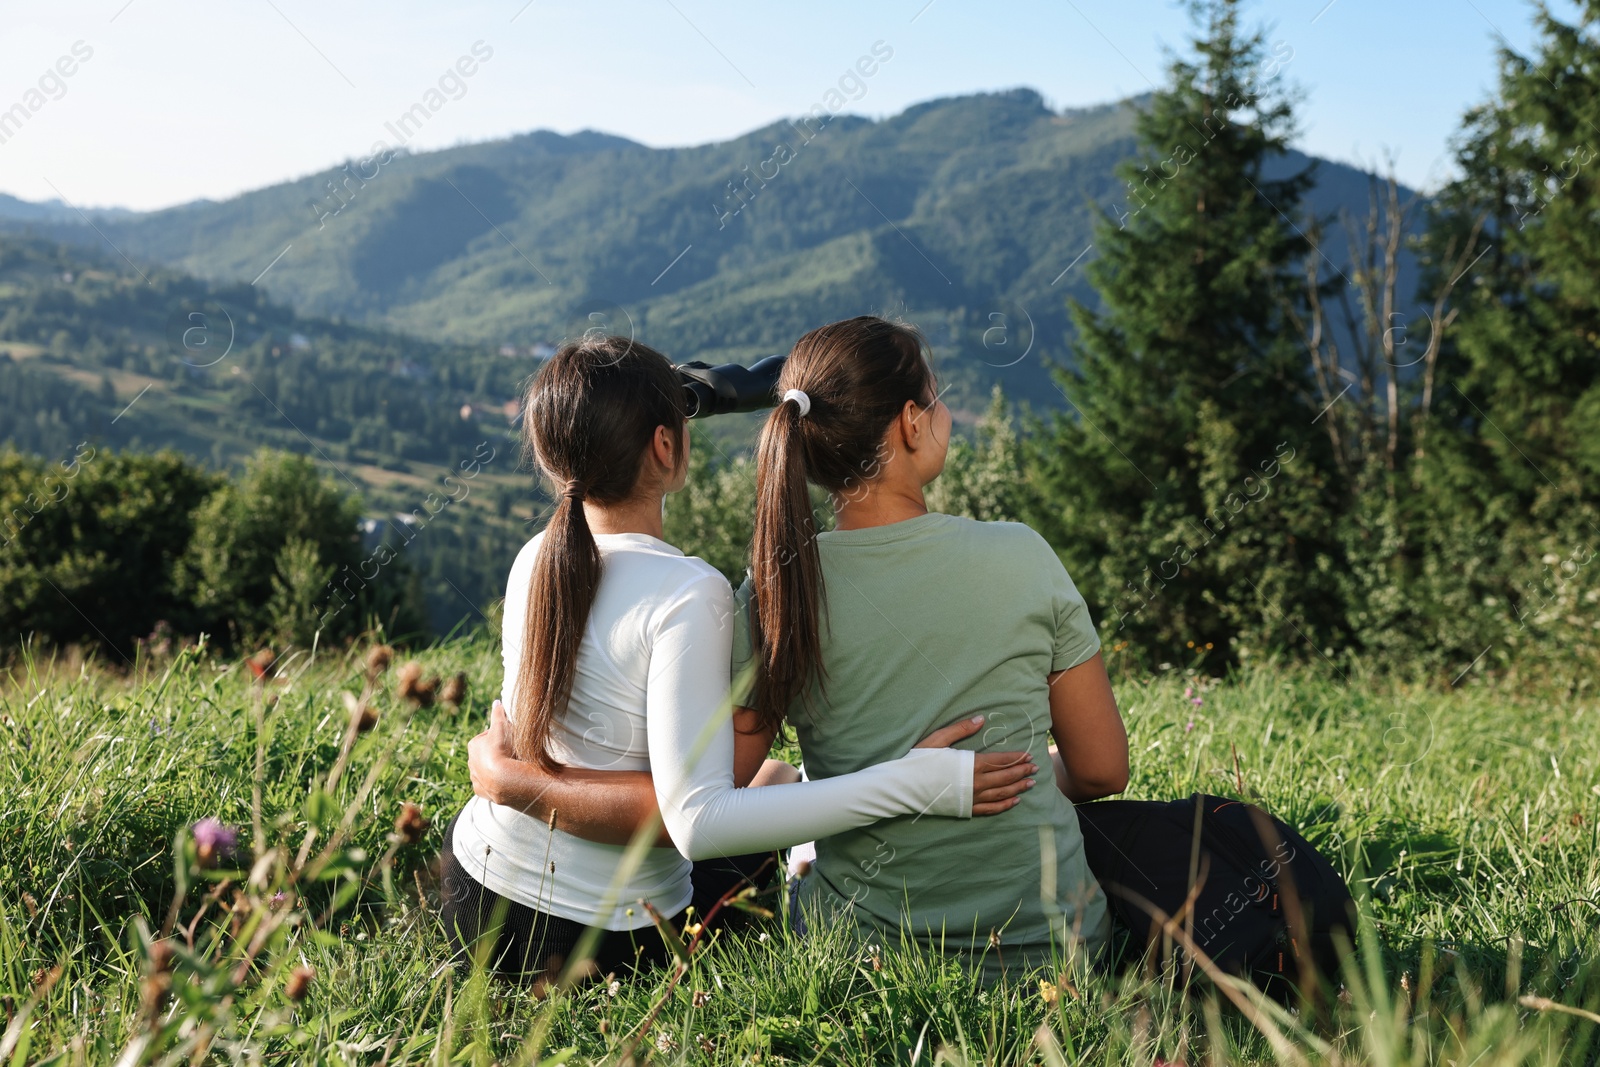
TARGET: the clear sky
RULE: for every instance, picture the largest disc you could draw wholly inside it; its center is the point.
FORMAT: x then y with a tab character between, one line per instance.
181	99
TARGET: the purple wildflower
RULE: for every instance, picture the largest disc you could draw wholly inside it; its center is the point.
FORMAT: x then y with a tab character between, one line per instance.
1197	702
1189	727
213	840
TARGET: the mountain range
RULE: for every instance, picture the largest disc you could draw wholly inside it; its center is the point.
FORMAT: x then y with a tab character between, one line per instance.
972	216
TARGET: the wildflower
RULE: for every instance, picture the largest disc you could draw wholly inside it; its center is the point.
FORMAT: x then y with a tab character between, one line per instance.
378	659
410	823
454	691
261	663
614	988
1188	727
1197	702
763	937
277	899
1188	691
299	983
707	1045
701	998
1049	992
664	1041
213	841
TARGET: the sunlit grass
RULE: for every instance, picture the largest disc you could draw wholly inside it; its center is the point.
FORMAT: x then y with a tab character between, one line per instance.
1465	819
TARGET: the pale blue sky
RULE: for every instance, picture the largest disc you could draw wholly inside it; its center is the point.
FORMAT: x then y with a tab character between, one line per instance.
181	100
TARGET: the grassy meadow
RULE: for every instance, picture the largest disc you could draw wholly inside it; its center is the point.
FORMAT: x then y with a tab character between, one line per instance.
1465	818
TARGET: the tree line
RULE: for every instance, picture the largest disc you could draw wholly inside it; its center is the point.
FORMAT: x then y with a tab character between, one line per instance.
1268	451
1273	446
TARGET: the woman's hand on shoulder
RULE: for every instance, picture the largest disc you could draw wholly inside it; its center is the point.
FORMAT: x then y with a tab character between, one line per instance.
998	778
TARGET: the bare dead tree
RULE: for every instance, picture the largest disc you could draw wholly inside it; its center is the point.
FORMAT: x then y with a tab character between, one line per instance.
1369	429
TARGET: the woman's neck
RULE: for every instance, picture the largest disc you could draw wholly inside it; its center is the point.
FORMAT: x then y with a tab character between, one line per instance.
634	516
879	504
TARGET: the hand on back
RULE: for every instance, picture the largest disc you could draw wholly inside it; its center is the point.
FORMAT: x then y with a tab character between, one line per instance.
998	778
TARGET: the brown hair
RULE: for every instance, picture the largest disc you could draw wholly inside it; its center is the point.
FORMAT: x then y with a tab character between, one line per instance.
589	415
858	374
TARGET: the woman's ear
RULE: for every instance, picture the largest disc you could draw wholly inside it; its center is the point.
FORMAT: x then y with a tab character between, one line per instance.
913	425
664	446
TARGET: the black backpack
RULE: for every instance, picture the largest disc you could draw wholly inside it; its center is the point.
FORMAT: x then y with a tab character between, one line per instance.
1268	904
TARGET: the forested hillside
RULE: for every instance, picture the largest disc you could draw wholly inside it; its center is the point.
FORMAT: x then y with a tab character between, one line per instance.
95	350
971	215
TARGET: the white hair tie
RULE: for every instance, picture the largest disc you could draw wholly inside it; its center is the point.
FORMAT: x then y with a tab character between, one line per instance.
801	401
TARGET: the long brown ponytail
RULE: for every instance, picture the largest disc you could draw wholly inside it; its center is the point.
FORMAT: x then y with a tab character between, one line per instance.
589	415
857	375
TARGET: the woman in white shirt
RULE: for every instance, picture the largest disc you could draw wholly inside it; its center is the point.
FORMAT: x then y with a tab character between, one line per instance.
616	651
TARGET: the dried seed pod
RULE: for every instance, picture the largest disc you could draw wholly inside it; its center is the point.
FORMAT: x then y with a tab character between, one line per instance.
410	824
378	659
426	691
161	954
153	993
407	679
299	983
454	691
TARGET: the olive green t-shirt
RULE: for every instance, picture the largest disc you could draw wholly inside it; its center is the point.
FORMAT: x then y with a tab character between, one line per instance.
927	621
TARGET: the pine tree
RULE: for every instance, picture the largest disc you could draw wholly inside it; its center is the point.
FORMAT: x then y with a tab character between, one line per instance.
1513	460
1186	482
983	475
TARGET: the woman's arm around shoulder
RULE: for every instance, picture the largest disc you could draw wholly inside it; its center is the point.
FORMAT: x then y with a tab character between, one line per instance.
691	735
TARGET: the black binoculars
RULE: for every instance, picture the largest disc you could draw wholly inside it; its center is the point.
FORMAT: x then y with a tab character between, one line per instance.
730	387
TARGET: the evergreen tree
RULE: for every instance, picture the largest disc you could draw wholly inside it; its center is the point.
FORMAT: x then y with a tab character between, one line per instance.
1513	458
983	476
1185	490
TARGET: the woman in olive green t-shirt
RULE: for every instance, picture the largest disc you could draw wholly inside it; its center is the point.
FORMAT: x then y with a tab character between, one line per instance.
867	636
879	633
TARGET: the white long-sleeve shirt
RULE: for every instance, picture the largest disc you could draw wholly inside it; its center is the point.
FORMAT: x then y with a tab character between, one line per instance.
651	693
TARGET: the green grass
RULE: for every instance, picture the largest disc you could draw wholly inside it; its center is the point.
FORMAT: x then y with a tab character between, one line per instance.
1466	820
